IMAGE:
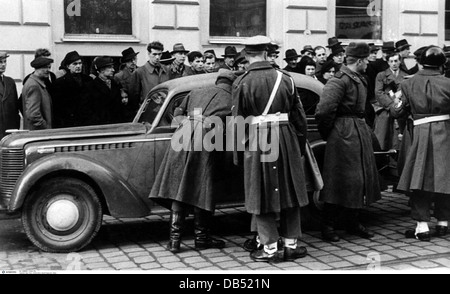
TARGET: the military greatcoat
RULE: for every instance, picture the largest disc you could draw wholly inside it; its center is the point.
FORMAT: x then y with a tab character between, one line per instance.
426	168
349	172
272	186
189	176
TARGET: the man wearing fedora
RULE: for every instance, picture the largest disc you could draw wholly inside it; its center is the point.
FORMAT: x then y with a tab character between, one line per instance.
178	67
151	74
104	94
37	104
70	94
9	105
308	50
229	55
350	173
123	78
403	48
291	58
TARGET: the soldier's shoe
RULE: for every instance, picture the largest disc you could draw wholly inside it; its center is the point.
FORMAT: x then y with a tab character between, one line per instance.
261	256
329	234
209	242
360	231
411	234
251	245
441	231
293	254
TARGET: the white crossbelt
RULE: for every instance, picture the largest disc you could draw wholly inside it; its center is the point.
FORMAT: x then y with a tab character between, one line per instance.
431	119
273	117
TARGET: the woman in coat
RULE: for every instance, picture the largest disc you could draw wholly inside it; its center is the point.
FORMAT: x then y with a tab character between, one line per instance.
426	97
187	178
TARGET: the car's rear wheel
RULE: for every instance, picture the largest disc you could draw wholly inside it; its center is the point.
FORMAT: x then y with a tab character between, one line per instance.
62	215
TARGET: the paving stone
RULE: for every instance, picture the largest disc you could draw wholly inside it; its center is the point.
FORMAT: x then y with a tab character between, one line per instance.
124	265
168	259
113	254
444	261
148	266
316	266
143	259
228	264
357	259
201	265
438	249
117	259
424	264
343	253
329	259
340	264
97	265
400	253
220	259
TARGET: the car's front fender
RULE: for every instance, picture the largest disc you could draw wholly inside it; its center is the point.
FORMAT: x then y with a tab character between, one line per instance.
121	199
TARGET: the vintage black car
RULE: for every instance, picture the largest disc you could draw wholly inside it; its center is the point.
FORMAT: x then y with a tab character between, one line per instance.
62	181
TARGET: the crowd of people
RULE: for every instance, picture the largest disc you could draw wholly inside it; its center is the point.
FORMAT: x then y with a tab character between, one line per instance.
368	104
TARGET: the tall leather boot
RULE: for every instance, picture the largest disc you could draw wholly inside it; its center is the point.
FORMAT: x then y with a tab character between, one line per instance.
176	228
203	240
330	214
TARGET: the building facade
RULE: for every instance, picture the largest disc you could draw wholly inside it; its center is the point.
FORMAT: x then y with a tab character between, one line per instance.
106	27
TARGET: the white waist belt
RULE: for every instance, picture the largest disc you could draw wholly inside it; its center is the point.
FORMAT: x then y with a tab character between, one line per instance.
431	119
275	117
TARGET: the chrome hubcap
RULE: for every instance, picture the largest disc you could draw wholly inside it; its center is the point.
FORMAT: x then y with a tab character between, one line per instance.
62	215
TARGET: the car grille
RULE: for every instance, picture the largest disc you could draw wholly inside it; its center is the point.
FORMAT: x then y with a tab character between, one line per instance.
11	167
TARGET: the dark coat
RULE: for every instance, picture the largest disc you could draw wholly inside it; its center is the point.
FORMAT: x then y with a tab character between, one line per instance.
349	171
189	71
272	186
37	105
187	176
146	78
386	128
9	107
105	104
427	94
71	101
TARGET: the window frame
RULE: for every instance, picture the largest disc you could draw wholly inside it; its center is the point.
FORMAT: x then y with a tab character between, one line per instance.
333	24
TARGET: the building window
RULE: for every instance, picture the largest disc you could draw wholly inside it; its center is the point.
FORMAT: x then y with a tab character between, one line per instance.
358	19
447	20
237	18
105	17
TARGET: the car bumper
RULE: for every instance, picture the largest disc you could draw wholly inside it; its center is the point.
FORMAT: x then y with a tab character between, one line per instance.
6	214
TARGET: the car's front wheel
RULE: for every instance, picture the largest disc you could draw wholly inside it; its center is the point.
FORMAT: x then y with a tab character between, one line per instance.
62	215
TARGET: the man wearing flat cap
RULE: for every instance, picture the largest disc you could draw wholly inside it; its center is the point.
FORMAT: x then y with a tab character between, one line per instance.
275	189
123	78
9	107
105	98
349	172
71	93
194	181
37	103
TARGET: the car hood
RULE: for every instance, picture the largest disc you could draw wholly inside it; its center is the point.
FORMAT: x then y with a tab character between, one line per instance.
18	140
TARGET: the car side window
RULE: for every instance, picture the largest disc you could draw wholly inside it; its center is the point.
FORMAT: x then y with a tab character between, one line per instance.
152	106
309	100
168	114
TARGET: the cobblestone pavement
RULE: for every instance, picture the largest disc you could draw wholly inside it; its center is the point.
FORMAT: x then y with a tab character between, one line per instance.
139	244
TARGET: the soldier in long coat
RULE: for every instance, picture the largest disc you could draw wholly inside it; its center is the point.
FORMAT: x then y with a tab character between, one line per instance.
9	107
274	189
189	178
349	172
426	97
387	85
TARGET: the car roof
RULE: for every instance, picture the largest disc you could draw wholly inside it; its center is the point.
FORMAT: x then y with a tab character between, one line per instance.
199	81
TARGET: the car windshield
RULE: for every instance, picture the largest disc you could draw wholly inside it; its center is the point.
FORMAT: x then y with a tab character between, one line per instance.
151	106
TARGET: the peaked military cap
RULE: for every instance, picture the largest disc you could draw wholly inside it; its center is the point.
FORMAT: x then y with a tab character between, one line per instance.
256	44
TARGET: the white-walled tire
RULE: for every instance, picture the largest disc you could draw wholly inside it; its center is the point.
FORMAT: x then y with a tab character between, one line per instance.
63	215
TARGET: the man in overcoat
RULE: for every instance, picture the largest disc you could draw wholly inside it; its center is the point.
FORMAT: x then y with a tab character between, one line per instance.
387	87
71	94
151	74
104	95
123	78
349	171
274	189
189	178
9	107
37	103
426	97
